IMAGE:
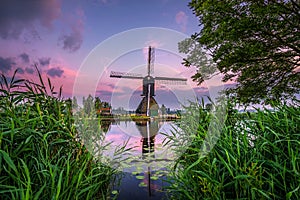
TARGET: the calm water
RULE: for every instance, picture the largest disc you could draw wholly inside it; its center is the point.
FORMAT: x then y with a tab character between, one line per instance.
144	165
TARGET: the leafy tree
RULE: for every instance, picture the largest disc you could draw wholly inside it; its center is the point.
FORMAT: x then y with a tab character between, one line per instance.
254	43
75	104
98	103
106	104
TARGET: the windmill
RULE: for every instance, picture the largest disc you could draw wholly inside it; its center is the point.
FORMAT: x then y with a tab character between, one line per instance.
148	105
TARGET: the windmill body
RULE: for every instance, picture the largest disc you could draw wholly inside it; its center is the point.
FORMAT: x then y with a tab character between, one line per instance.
148	106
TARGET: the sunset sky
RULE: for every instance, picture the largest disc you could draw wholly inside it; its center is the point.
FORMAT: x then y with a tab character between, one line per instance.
61	37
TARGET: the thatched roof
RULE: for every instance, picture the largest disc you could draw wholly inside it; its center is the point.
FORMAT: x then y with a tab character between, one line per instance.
142	108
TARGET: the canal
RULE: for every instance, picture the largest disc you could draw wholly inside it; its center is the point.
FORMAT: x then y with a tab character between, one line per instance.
145	160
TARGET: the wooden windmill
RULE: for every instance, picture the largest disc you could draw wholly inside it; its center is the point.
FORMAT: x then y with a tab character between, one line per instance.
148	105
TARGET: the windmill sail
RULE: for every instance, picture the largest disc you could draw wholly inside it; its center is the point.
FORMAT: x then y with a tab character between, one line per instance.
151	59
114	74
148	104
171	81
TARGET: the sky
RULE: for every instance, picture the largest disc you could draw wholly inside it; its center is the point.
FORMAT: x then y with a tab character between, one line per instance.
77	43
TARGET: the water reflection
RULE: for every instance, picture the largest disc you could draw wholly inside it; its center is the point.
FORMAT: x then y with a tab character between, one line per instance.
148	131
144	165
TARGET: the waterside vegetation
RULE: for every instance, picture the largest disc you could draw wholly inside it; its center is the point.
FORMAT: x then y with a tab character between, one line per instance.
41	156
256	156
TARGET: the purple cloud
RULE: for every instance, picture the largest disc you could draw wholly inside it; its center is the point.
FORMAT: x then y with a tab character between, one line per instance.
21	71
44	61
55	72
25	57
6	64
72	41
104	93
29	70
17	16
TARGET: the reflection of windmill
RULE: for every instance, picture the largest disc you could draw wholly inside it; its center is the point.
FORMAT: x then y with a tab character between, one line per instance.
148	105
148	130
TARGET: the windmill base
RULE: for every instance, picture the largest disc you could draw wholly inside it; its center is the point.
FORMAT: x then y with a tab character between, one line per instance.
142	108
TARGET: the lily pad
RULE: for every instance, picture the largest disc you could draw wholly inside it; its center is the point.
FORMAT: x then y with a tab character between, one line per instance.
142	184
140	177
154	178
114	192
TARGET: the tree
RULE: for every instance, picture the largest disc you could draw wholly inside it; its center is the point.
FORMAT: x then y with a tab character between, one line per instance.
75	104
254	43
98	103
163	109
88	104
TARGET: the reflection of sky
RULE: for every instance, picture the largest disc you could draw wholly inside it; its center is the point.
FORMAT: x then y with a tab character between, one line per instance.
124	131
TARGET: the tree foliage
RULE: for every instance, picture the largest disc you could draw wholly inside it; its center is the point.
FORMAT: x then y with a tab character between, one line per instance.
254	43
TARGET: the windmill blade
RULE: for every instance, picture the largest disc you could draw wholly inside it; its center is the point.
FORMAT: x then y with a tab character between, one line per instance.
171	81
151	59
115	74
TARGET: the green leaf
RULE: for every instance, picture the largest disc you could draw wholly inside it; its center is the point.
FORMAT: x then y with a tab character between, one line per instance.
140	177
8	160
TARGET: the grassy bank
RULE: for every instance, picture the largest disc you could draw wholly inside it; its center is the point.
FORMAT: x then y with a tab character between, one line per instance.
39	155
257	156
138	118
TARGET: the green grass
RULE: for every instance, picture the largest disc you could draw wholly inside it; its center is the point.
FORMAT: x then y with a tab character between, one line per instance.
263	165
40	154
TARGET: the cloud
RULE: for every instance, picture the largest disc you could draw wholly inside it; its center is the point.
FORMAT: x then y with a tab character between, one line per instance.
25	57
104	93
72	41
44	61
17	16
21	71
6	64
55	72
29	70
181	19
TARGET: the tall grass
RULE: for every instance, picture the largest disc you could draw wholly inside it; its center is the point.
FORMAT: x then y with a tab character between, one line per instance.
40	157
256	157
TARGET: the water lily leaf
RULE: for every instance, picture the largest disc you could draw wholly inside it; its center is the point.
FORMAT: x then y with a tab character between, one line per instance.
140	177
114	192
142	184
154	178
134	173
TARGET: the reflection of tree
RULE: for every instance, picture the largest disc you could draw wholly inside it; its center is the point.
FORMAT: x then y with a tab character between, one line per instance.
105	125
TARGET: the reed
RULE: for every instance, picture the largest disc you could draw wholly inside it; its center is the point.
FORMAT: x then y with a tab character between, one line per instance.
256	157
40	157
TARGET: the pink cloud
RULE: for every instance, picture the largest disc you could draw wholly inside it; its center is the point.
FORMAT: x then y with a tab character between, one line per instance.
181	19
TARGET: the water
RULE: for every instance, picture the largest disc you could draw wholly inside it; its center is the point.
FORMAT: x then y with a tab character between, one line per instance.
144	165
